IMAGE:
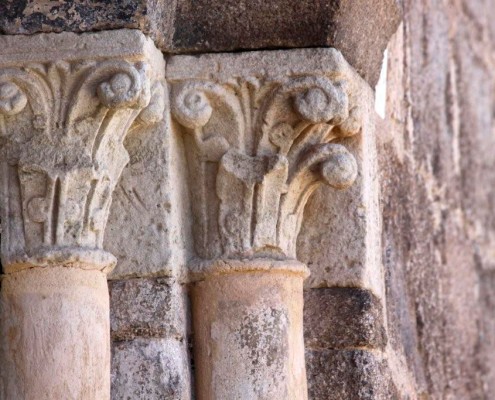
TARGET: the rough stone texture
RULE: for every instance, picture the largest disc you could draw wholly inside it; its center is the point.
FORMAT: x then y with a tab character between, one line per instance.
149	329
339	318
340	233
150	369
228	25
66	105
248	336
261	132
147	308
359	28
154	17
151	202
55	335
438	179
348	374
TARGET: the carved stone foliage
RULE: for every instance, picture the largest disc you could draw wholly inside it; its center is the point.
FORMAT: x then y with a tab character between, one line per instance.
62	126
257	147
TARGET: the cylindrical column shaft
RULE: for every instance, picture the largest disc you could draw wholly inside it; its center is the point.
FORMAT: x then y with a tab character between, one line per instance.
248	329
55	335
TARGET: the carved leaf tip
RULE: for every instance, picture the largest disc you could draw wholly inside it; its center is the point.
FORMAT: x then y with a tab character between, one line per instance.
126	88
326	102
191	106
155	110
339	170
335	164
12	99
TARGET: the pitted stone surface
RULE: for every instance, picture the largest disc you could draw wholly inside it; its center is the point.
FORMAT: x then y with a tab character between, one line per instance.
249	337
339	318
348	374
150	369
146	308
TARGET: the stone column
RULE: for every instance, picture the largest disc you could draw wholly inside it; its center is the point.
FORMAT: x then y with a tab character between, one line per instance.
262	130
66	104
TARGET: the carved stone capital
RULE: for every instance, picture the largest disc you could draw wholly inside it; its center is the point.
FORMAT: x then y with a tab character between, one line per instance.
66	104
262	132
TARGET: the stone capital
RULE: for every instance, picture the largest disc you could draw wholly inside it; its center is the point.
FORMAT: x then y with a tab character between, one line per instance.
263	130
66	105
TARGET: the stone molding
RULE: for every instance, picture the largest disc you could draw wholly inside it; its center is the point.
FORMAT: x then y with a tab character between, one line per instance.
66	105
261	133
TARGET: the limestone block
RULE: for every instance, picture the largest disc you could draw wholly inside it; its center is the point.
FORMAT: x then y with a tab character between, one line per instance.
142	207
348	374
150	369
147	308
150	205
359	28
339	318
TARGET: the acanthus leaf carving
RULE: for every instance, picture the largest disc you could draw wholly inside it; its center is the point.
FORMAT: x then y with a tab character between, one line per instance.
62	129
257	148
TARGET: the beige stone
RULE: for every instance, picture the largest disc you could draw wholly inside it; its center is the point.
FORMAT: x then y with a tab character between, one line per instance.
65	114
262	131
67	103
249	336
151	369
55	335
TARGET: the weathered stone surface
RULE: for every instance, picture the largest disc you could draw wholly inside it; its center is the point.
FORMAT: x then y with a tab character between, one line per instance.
339	318
248	332
151	202
348	374
64	116
150	369
339	238
154	17
54	335
147	308
438	179
359	28
66	105
262	130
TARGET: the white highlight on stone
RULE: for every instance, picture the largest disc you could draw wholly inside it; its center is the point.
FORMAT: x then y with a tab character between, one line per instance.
381	88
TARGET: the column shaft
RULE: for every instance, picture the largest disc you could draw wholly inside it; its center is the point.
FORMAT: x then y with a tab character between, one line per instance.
248	329
56	334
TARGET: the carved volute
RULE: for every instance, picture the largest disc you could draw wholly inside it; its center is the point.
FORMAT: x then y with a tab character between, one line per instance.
260	138
63	121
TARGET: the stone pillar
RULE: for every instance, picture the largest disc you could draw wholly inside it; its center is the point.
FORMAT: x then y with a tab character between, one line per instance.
262	130
66	104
